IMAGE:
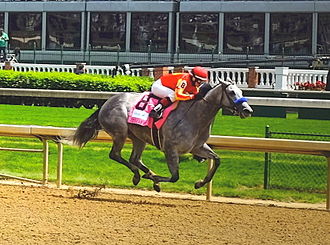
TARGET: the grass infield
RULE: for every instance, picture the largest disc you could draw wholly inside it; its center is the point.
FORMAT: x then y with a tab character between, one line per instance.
240	173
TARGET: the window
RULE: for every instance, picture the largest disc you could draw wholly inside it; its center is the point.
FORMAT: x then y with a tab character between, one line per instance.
107	31
198	33
64	29
291	33
244	33
2	19
323	34
149	29
25	30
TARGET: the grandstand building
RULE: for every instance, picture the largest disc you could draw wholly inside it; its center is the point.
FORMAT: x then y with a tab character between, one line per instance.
105	32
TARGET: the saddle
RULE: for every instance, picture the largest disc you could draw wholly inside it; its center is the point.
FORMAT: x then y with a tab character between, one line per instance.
139	113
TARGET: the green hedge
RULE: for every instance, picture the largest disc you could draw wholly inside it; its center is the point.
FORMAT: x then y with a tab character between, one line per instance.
71	81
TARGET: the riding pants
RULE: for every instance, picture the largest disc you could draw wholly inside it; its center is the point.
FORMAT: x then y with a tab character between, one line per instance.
161	91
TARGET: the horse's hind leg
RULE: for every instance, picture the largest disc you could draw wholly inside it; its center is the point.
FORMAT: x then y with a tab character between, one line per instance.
206	152
138	147
115	154
135	158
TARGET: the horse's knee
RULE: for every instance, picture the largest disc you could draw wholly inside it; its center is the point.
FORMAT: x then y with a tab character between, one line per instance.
174	178
217	161
112	156
115	156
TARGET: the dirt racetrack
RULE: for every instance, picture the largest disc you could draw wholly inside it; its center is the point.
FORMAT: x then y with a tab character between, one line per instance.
40	215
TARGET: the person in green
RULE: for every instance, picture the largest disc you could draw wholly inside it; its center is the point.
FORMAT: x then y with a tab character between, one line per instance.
3	44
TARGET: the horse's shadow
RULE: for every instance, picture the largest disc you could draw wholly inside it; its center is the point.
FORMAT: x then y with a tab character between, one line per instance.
113	200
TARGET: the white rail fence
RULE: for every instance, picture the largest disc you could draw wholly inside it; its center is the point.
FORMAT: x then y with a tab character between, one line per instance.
320	148
101	70
278	78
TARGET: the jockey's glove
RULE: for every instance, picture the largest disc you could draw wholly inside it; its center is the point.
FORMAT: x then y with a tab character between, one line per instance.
198	96
202	91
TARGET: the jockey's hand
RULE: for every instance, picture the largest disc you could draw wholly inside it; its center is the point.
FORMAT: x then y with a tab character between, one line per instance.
202	91
198	96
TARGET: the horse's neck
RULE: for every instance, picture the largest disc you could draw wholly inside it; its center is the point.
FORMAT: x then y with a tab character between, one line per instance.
214	96
204	111
213	99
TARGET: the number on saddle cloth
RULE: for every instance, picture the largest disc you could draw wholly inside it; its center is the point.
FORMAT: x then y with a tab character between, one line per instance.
142	104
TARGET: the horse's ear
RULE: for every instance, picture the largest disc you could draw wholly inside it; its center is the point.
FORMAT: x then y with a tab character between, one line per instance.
229	80
223	82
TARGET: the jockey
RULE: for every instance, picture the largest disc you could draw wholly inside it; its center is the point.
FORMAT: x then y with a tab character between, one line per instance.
177	86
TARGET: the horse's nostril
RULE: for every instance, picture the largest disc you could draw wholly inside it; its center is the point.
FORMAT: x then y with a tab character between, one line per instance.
247	110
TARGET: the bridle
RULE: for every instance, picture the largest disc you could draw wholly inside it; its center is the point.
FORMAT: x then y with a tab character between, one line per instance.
234	103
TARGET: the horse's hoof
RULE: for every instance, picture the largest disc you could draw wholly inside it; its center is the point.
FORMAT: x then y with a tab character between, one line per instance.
136	179
156	187
199	184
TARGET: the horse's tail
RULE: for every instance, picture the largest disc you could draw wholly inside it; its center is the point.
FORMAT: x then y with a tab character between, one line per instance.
87	130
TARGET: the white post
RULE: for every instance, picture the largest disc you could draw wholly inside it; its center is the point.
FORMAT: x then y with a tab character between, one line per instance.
151	72
209	185
45	161
59	163
171	69
328	186
281	78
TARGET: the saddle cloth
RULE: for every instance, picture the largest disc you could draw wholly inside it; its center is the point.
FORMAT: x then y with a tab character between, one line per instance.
139	113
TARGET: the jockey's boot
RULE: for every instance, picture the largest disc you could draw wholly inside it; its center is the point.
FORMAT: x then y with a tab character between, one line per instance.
157	112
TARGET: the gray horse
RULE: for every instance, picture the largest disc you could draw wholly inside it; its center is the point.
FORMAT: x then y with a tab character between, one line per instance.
185	131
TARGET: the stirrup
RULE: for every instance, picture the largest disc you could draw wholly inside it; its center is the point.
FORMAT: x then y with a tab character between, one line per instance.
157	112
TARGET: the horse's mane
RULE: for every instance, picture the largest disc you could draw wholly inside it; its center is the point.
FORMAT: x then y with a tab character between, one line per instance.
206	87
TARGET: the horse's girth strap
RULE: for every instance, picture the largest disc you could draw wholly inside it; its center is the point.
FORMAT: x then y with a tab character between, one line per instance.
155	137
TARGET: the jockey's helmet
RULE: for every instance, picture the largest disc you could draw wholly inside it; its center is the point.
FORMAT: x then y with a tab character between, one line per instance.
200	73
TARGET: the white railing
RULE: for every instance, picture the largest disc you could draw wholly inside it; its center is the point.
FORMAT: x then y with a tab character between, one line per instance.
101	70
237	75
303	76
240	76
267	78
43	67
278	78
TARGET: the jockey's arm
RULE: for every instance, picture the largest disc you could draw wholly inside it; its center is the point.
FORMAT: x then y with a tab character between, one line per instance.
179	91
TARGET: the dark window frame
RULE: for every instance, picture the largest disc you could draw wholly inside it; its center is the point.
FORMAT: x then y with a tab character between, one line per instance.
144	30
102	40
323	33
198	41
30	39
296	38
68	38
243	27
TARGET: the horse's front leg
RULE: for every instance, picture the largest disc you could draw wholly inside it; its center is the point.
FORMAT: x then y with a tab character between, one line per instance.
206	152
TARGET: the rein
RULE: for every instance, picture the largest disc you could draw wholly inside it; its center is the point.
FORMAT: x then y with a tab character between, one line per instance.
223	92
234	103
185	113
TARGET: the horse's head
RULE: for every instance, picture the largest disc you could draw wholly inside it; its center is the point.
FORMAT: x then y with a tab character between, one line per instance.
234	101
